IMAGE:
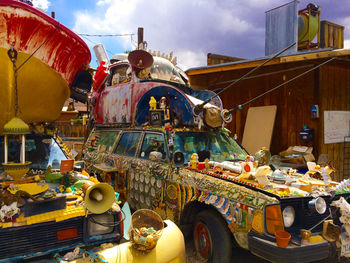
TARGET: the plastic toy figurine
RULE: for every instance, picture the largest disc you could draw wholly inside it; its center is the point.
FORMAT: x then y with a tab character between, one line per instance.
194	161
162	103
152	103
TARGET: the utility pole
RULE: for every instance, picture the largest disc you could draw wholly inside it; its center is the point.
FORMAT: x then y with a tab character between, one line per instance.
140	44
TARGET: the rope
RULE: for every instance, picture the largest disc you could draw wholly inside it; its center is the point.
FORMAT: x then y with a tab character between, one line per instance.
38	48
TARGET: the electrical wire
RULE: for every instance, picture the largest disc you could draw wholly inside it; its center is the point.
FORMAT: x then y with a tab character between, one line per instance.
280	85
91	218
110	52
199	107
106	35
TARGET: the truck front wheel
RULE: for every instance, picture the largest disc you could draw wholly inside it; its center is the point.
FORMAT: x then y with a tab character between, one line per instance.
212	238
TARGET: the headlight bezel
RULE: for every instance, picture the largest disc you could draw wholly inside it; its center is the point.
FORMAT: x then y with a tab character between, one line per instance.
100	224
288	213
318	204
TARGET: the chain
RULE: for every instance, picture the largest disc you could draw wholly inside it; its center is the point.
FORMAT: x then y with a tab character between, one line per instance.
12	53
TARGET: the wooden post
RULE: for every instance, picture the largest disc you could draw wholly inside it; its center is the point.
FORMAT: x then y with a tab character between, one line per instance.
140	38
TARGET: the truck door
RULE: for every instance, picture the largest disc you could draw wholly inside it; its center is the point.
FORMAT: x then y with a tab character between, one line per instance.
123	157
147	179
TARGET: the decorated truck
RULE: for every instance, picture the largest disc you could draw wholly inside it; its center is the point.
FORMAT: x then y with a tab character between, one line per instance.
162	148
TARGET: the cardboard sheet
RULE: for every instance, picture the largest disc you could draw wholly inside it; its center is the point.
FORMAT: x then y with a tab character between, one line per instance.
258	128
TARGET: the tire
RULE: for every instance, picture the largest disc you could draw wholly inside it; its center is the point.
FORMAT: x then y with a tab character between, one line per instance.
212	238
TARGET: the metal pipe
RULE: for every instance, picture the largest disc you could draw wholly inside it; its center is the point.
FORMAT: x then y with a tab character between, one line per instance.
23	149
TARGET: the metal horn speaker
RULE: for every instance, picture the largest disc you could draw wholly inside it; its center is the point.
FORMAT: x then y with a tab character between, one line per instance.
98	197
140	59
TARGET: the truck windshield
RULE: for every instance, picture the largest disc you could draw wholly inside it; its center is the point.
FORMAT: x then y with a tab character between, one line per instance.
216	145
40	150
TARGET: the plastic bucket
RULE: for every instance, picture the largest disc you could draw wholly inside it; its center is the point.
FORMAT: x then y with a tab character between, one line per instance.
282	238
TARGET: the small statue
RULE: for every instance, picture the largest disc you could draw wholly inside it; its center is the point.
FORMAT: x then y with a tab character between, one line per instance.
152	103
163	106
162	103
194	161
207	165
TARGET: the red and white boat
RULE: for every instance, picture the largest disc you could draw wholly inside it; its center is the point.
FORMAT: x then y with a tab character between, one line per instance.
47	56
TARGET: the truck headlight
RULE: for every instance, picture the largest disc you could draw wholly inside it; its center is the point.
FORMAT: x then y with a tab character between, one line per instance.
318	204
288	216
100	224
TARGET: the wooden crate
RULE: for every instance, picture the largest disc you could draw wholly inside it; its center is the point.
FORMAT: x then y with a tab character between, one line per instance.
332	35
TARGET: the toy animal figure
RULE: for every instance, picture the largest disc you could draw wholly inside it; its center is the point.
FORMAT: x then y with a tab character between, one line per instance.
6	198
152	103
7	212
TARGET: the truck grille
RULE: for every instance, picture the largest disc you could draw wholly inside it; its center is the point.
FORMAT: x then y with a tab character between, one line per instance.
306	218
25	240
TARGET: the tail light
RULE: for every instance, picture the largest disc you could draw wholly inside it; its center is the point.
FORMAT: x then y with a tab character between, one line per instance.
68	233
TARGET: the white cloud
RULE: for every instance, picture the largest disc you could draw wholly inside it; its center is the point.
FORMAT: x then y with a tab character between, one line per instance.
42	4
185	27
103	2
191	59
190	29
347	44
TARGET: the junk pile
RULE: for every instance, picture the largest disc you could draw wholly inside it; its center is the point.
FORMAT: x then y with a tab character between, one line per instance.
50	195
65	206
283	182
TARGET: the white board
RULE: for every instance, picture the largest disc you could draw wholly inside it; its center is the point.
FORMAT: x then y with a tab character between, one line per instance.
336	126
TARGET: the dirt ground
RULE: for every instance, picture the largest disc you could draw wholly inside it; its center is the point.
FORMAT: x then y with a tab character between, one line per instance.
240	256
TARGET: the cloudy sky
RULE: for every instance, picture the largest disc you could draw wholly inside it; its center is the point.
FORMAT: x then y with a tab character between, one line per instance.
190	29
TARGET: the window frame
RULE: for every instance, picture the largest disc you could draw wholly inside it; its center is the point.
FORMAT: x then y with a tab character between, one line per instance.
119	140
164	141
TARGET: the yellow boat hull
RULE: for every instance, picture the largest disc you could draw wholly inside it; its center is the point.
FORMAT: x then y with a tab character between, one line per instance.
39	98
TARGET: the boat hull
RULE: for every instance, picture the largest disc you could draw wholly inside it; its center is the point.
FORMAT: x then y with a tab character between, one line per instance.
49	56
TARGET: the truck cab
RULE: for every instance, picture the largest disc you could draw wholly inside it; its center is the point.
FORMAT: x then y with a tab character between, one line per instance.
164	146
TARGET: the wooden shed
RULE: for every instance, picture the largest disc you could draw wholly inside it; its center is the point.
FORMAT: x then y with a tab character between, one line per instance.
328	87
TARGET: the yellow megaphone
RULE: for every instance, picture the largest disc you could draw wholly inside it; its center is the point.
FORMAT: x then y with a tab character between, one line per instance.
98	197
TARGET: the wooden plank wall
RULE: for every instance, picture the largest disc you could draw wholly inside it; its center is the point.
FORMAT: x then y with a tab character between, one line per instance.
328	87
334	95
293	101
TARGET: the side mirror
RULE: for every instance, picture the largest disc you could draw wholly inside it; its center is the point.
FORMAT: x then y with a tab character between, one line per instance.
179	159
79	166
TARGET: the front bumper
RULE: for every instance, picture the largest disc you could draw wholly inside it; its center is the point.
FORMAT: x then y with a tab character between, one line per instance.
268	250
